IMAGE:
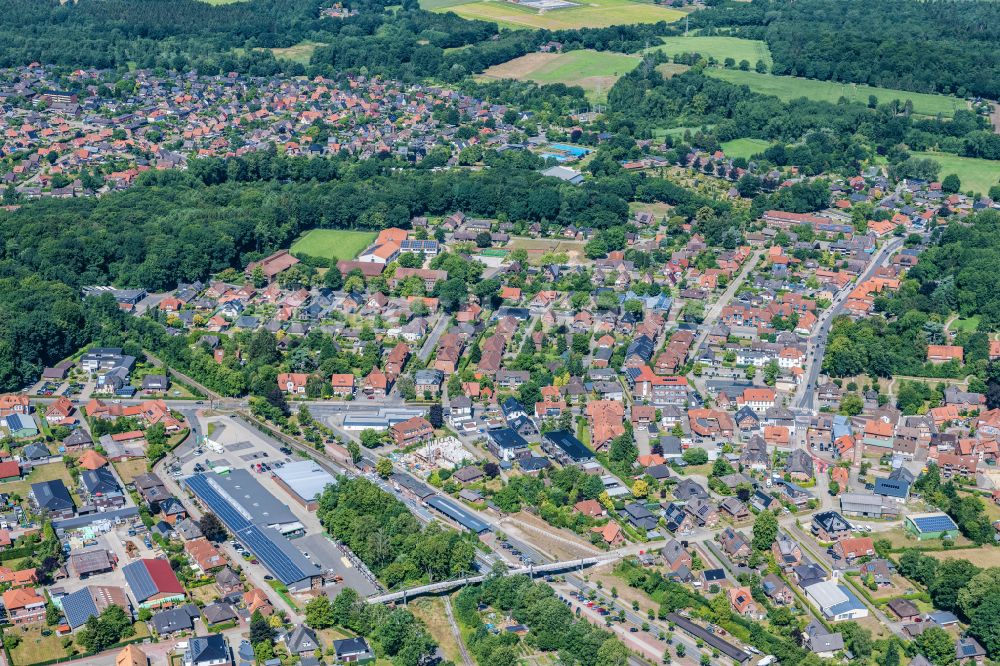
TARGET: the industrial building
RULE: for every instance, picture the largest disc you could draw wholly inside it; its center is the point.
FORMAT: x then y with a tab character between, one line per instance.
304	480
835	601
255	517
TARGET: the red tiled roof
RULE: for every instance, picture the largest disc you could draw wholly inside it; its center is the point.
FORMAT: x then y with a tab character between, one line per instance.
163	576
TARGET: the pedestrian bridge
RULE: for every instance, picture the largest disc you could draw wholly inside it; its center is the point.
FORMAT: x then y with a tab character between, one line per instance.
531	570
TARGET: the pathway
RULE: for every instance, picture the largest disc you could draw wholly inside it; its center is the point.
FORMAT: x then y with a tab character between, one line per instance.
715	311
466	659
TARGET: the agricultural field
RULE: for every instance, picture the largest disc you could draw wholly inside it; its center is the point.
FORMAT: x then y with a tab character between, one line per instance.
744	147
983	556
587	14
300	53
593	71
333	243
718	47
793	87
976	174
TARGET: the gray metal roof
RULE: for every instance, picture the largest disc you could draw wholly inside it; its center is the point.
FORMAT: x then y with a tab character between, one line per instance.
306	478
78	607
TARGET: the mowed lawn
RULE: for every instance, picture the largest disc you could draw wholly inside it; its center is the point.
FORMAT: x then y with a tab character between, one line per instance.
718	47
976	174
744	148
587	14
793	87
333	243
593	71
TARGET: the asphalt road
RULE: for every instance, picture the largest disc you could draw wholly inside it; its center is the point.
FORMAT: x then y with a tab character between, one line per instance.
817	346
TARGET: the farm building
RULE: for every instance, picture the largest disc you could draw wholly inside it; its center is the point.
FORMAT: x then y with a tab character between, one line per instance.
931	526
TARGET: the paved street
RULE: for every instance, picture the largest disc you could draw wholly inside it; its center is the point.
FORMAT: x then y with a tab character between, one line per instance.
816	347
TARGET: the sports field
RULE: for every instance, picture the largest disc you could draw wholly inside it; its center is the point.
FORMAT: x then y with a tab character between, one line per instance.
744	147
593	71
587	14
976	174
718	47
792	87
333	243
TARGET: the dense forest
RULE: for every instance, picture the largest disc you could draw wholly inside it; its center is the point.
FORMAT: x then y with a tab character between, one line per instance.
405	43
945	46
389	539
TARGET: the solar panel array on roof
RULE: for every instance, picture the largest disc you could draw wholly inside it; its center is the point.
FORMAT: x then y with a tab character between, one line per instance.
79	607
458	514
938	523
139	580
282	559
412	245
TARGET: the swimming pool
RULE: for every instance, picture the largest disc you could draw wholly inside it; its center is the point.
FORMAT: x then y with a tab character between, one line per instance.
575	151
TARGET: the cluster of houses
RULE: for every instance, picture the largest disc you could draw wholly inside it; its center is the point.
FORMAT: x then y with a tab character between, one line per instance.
61	129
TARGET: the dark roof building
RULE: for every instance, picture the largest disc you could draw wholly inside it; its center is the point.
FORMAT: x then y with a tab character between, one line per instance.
207	651
565	447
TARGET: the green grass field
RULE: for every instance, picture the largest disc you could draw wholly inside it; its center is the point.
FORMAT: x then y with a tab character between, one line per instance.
976	174
333	243
593	71
792	87
718	47
588	14
677	132
962	324
744	147
300	53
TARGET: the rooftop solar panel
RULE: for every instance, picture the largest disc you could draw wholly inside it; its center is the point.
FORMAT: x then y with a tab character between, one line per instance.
286	563
277	553
139	581
934	523
79	607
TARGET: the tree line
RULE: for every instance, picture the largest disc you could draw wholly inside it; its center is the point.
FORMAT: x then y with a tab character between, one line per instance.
943	46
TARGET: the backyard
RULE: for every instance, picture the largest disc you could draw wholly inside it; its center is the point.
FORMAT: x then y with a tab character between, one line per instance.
48	472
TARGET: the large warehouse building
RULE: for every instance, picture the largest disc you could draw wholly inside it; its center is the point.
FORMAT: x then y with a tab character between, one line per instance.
304	480
257	519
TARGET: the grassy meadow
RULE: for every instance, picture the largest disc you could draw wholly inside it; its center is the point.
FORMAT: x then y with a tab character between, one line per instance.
593	71
793	87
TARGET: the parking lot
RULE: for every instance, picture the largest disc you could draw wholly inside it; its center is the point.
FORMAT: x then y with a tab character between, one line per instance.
326	553
229	445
